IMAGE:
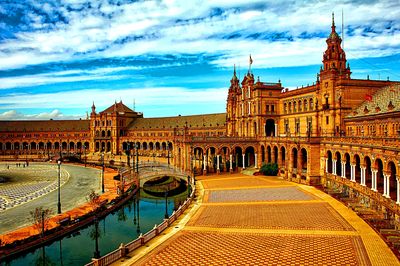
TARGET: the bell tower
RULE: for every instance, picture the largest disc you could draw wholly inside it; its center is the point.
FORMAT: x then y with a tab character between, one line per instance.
231	103
334	58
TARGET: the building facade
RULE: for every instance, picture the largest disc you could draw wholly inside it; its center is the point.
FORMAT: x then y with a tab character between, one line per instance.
337	130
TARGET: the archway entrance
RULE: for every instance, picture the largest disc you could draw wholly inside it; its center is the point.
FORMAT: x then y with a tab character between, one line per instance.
270	128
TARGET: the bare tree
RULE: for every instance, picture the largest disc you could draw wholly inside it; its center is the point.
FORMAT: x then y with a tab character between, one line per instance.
41	218
94	199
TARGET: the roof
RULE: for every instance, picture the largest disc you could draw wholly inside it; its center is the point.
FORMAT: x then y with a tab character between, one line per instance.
118	107
385	100
208	120
44	125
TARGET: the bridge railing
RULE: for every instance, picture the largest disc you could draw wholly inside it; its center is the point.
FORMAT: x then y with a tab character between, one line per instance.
123	250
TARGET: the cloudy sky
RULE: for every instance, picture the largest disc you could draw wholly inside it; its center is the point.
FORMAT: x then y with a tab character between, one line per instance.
176	57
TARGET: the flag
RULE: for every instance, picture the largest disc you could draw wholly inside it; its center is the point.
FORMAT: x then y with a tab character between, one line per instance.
251	60
368	97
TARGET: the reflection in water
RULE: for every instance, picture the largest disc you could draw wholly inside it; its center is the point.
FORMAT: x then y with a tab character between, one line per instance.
78	248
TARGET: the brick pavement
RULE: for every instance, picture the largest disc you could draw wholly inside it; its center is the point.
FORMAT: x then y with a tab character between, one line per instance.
294	225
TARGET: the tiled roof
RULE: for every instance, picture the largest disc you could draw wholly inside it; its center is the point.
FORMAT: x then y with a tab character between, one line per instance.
385	100
209	120
119	107
44	125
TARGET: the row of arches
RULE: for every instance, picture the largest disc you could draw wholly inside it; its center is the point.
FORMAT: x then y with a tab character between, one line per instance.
376	174
33	146
156	146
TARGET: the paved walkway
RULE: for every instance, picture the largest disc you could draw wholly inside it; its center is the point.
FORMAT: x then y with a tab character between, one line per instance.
252	220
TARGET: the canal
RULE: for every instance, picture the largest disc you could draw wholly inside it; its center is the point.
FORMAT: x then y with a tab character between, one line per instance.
137	216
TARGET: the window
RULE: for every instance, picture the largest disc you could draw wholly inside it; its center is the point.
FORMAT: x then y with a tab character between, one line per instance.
273	108
327	120
267	108
285	108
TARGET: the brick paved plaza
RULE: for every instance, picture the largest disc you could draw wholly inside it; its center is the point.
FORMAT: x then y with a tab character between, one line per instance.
246	220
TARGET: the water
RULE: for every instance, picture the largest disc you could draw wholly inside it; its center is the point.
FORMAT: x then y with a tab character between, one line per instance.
122	226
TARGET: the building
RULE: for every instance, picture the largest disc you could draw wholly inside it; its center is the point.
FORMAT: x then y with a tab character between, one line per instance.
339	130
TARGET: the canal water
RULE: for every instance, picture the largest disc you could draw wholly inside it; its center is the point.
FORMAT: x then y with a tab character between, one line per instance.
139	215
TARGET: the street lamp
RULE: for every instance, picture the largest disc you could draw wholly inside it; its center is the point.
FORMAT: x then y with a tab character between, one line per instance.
166	205
102	172
137	158
59	181
127	152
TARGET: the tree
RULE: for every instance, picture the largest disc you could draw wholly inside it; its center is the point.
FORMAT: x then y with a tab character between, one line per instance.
269	169
94	199
41	219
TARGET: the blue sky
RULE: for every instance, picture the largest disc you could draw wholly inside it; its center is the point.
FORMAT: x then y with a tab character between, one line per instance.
176	57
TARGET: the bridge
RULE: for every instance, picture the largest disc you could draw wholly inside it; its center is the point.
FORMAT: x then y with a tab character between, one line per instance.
150	170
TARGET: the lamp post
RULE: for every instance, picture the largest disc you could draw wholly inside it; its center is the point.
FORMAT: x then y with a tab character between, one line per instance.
59	181
137	158
127	152
166	204
102	172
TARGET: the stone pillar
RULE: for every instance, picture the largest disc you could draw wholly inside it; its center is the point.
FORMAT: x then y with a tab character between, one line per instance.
352	172
326	165
255	160
343	169
230	163
276	130
334	167
204	164
374	172
218	164
398	190
362	175
387	177
243	161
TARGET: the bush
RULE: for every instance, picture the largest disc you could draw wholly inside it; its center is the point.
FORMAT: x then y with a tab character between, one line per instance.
269	169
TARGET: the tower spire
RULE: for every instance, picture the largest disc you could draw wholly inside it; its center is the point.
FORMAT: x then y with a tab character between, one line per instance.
333	22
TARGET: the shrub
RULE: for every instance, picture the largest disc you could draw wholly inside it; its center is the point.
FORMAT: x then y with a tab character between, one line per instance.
270	169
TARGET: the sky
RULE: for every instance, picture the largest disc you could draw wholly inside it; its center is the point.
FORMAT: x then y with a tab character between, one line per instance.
166	58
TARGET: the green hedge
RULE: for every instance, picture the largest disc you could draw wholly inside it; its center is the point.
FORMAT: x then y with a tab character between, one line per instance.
270	169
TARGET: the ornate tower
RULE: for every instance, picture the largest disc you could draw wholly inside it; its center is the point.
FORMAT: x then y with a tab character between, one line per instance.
231	103
334	59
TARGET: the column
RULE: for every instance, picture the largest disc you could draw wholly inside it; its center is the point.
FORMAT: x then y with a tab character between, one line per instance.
387	186
230	163
362	175
255	159
243	161
352	172
374	179
343	169
276	130
384	185
217	163
326	165
204	163
334	167
398	190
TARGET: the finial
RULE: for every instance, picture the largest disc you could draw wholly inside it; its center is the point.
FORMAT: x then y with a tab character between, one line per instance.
234	69
333	19
258	78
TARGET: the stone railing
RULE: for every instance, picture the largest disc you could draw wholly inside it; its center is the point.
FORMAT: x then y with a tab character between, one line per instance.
123	250
378	197
366	141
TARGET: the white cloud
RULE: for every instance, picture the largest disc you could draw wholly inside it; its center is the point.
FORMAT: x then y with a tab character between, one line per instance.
154	23
55	114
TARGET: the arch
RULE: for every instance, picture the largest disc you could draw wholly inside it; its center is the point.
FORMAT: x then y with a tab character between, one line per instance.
163	146
49	146
330	162
103	146
338	163
269	154
357	171
25	145
275	155
33	145
305	105
157	146
170	146
108	133
249	156
151	146
283	155
8	145
103	133
254	128
391	170
72	145
79	145
304	159
347	167
379	175
64	145
262	153
368	171
108	146
294	158
270	128
238	156
86	145
144	145
41	145
56	145
124	146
